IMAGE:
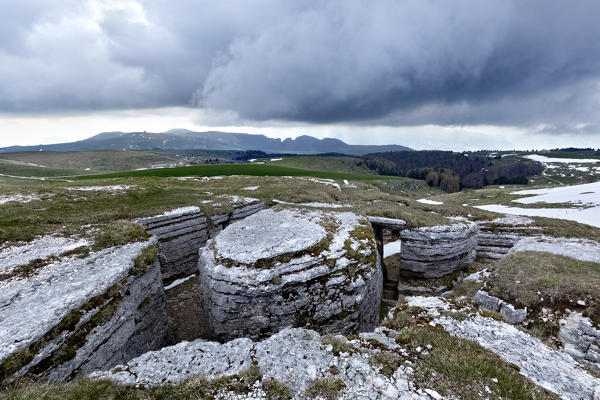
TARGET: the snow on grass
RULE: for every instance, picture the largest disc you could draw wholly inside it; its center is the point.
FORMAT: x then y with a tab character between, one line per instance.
324	181
276	159
543	159
586	196
108	188
588	193
589	216
580	249
250	187
21	198
427	201
313	204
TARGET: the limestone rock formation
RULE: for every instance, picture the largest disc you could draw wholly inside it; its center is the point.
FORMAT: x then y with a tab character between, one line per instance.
511	314
78	315
580	338
432	252
554	370
294	356
181	232
498	236
291	268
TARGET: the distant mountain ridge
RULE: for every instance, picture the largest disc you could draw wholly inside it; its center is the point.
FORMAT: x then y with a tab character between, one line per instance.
180	139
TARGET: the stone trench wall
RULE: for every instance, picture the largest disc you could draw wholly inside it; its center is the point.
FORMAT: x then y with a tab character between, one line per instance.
82	315
181	233
432	252
335	289
497	237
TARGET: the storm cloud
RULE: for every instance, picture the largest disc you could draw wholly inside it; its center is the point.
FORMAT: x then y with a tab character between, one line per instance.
411	62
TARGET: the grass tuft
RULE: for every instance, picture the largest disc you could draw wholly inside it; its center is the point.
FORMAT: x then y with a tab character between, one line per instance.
326	388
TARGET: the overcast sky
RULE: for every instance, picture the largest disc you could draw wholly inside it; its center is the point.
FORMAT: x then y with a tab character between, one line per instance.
459	74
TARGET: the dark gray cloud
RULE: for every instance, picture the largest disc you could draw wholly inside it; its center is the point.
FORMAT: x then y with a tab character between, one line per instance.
521	63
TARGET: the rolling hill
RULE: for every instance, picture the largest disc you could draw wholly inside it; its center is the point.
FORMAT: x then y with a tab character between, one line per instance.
179	139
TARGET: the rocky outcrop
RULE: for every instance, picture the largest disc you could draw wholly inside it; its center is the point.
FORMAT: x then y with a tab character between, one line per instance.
554	370
181	232
383	227
432	252
498	236
277	269
296	357
80	315
511	314
580	338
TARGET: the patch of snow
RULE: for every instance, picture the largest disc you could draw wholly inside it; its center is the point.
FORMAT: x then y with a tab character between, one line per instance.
21	198
276	159
589	216
313	204
109	188
580	249
477	276
178	282
427	201
588	193
324	181
544	159
250	188
241	199
392	248
179	211
252	160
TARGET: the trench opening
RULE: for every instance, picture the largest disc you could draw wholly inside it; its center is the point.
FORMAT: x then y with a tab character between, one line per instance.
184	304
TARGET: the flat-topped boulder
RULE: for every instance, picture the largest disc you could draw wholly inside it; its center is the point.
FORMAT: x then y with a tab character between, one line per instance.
78	315
291	268
435	251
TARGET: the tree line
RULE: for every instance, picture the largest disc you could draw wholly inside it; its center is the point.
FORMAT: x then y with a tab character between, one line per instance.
453	171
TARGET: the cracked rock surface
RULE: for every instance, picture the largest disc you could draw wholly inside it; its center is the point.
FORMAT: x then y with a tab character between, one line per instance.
432	252
295	356
32	310
291	268
554	370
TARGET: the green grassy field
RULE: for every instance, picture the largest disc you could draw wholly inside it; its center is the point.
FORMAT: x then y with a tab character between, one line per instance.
352	165
20	169
571	154
241	169
75	162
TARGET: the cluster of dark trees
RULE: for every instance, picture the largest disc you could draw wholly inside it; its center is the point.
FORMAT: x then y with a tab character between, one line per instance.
453	171
577	149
